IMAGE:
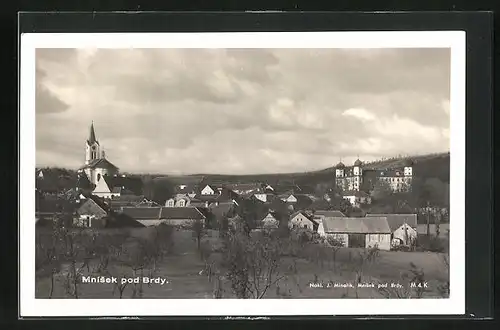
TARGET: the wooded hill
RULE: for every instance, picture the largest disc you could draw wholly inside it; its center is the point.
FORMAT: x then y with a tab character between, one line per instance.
425	167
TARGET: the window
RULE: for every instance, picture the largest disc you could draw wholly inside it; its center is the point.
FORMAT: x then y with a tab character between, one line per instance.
182	203
171	203
98	176
305	226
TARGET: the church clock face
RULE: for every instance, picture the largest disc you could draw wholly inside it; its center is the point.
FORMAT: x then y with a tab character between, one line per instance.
93	148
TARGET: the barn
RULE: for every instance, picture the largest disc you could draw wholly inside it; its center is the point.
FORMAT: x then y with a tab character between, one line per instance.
357	232
403	227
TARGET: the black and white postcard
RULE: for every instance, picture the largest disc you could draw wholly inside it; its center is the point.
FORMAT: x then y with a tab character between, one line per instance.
314	173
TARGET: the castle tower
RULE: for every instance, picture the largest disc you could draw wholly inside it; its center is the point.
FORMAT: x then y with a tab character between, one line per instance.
408	168
92	147
357	172
339	170
408	173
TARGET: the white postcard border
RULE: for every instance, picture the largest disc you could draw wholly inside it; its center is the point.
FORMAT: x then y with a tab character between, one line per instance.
31	307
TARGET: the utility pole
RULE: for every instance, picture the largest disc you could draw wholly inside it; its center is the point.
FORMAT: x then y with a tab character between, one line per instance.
428	220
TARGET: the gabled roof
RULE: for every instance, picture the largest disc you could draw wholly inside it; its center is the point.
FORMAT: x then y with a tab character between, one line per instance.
181	213
185	188
92	205
329	213
142	213
211	186
100	163
274	214
397	220
245	187
210	198
374	225
304	213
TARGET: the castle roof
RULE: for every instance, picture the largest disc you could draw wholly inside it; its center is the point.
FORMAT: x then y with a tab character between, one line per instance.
358	162
340	165
408	162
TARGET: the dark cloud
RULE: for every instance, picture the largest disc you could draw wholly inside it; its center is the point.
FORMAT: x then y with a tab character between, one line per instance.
242	110
45	100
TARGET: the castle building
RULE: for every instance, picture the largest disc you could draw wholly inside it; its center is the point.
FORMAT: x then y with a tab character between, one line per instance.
96	165
357	178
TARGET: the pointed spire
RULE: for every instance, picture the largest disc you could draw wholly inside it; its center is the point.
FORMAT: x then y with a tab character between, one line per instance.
92	138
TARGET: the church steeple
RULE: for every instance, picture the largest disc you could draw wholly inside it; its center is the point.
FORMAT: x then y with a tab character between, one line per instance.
92	149
92	138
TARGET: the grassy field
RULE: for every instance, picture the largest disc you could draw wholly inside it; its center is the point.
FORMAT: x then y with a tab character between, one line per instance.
182	272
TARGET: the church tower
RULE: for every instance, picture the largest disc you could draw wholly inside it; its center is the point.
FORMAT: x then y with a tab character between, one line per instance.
92	147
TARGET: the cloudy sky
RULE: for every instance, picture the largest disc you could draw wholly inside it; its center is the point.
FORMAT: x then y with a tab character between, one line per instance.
240	110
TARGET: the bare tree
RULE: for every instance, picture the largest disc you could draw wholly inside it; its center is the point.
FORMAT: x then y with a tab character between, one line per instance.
199	232
253	264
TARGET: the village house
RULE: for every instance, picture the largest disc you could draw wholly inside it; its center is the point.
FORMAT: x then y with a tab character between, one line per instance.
92	213
403	228
264	197
302	219
147	216
127	201
246	189
270	221
319	215
181	216
357	232
210	190
179	200
288	198
189	190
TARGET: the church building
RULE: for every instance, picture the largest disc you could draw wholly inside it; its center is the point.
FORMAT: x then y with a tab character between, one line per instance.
96	165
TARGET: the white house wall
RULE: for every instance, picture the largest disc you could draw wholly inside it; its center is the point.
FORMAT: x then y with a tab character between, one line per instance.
400	233
207	191
382	240
261	197
299	221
